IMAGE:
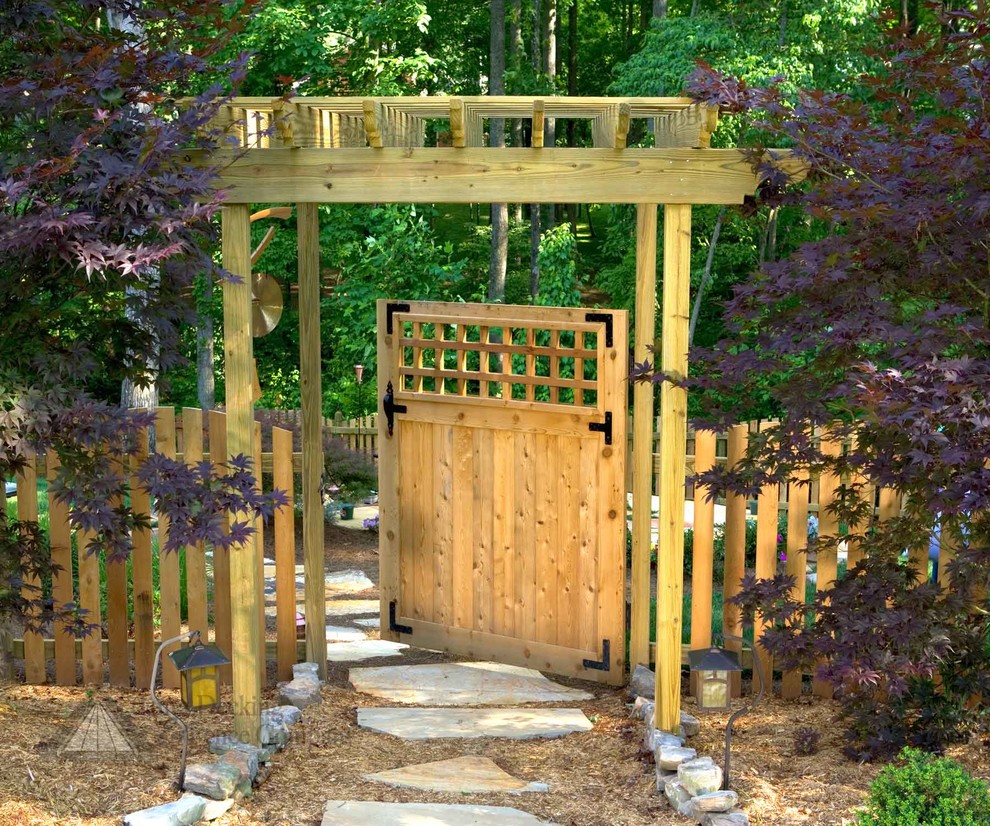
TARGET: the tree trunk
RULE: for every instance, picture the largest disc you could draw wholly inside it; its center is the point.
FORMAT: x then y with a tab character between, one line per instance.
500	212
705	276
572	90
536	58
517	54
205	380
550	70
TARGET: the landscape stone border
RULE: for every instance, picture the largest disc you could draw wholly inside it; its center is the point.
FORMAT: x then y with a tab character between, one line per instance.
691	784
211	789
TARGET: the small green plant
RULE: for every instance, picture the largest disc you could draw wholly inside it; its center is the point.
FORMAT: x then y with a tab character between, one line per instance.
926	791
807	741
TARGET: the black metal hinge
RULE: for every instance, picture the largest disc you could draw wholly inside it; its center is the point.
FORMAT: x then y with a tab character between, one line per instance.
604	662
606	319
603	427
393	626
390	310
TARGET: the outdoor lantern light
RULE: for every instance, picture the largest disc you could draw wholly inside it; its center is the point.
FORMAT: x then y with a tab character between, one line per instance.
714	667
198	665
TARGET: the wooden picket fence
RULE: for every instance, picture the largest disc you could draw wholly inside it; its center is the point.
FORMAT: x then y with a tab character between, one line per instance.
137	613
796	501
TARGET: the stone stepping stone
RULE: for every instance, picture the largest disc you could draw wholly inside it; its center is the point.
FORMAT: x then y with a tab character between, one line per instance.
347	581
437	723
369	622
461	684
352	607
340	633
361	813
350	652
461	775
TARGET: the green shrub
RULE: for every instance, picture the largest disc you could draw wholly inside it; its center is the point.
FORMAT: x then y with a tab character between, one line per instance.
926	791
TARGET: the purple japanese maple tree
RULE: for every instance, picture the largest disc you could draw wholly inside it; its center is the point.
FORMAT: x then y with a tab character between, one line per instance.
103	226
878	330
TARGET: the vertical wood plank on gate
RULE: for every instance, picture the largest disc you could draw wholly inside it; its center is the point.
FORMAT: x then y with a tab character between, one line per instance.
589	521
424	516
642	452
503	501
568	541
526	574
117	621
27	511
285	555
311	399
389	527
735	546
443	524
796	564
144	608
611	501
406	559
673	439
462	518
221	557
766	563
703	551
168	563
828	525
196	597
60	537
89	601
547	462
483	447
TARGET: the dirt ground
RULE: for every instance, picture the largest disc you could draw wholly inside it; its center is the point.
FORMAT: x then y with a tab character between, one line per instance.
598	778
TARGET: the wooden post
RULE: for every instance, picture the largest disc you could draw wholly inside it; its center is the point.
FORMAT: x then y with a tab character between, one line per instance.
642	455
238	347
767	515
311	393
27	511
673	444
703	553
285	554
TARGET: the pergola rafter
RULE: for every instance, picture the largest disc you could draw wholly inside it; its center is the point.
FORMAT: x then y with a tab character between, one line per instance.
310	150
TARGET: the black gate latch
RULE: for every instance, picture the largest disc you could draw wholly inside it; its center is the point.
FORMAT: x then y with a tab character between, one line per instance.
391	408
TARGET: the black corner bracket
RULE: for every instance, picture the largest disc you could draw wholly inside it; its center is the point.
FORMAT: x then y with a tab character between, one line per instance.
604	662
393	626
390	310
606	319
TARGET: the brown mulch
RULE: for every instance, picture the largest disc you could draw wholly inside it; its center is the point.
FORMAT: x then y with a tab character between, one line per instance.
598	778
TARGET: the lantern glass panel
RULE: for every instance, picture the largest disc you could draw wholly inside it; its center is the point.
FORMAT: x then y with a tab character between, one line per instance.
714	690
200	688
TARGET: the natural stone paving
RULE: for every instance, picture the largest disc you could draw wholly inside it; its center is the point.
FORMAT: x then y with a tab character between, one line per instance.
369	622
351	581
362	813
462	684
461	775
340	633
352	607
349	652
436	723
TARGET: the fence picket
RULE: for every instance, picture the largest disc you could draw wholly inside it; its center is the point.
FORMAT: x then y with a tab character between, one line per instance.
285	554
196	590
735	548
259	538
118	654
170	604
89	601
27	511
60	540
141	571
221	558
797	564
827	559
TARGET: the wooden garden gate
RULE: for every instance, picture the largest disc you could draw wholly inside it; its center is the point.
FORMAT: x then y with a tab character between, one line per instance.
502	471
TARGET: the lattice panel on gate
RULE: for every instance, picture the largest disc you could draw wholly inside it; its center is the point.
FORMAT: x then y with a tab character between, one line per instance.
539	361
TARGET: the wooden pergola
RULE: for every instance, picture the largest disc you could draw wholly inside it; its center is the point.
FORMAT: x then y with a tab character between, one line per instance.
313	150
